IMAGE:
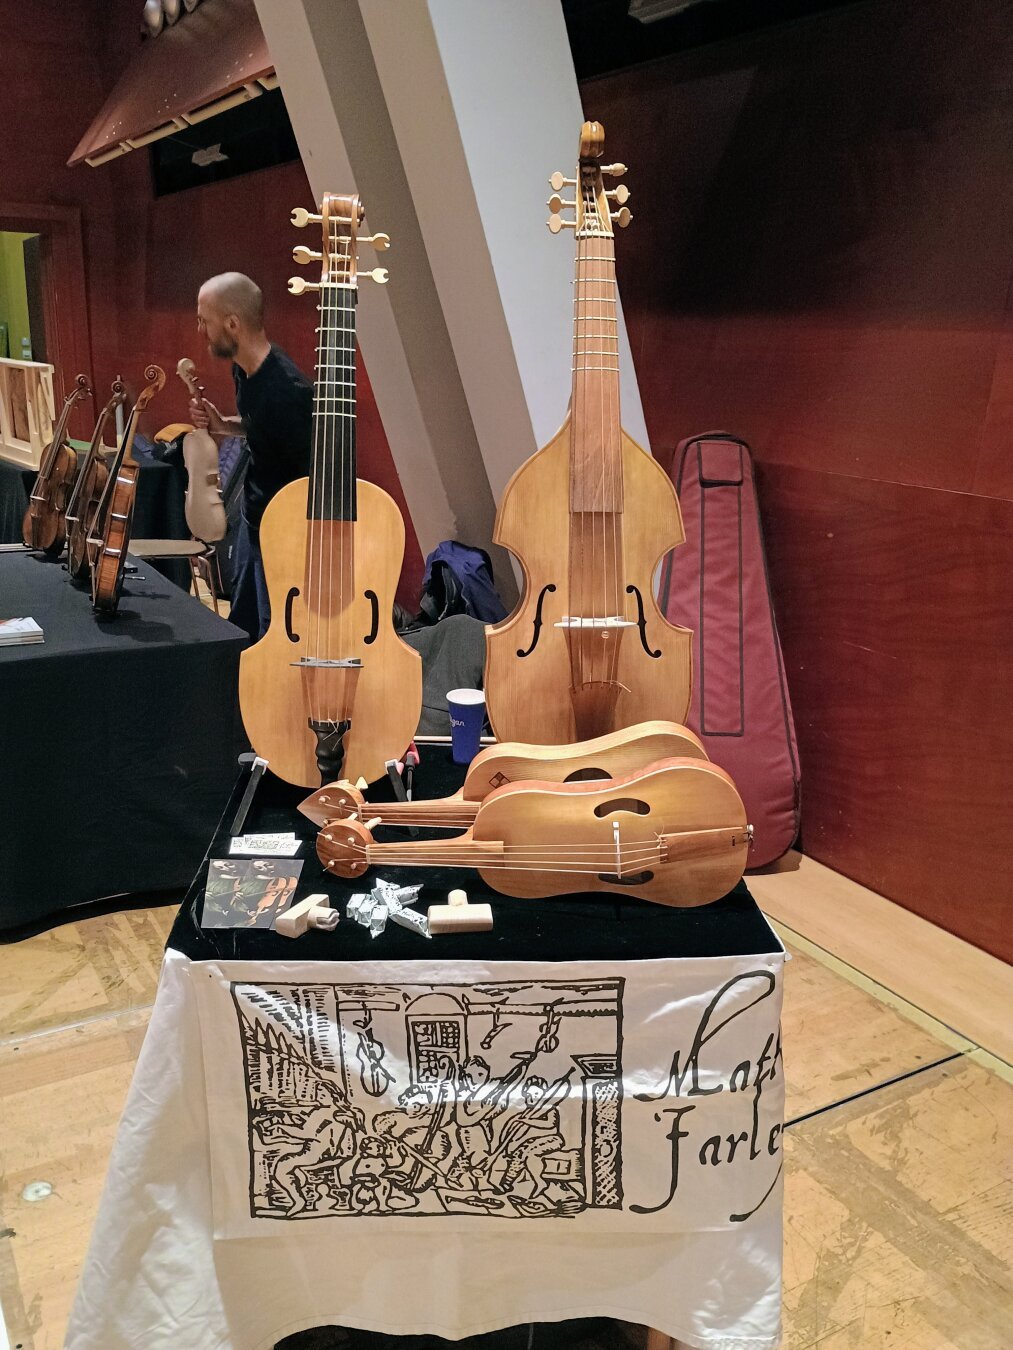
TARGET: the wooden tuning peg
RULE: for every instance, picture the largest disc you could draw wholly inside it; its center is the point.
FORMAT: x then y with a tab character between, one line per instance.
378	274
620	194
379	241
614	170
557	223
305	255
556	203
557	182
622	217
297	285
301	217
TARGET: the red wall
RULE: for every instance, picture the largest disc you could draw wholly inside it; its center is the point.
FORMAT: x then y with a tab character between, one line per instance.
145	258
820	261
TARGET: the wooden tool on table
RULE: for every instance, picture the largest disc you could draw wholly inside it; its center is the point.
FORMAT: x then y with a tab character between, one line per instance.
610	756
587	651
44	526
204	508
110	537
459	916
88	490
674	833
330	689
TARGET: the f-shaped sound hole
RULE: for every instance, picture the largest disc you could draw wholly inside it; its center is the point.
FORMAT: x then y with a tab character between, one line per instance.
537	625
631	804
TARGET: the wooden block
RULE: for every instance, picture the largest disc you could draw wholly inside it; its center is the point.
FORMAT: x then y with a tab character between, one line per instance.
313	912
457	916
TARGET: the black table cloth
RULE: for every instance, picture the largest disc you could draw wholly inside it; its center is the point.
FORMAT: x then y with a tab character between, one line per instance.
158	507
562	928
118	739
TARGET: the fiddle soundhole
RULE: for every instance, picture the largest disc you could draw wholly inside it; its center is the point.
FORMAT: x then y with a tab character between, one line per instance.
537	624
628	879
290	633
632	804
588	775
642	622
374	603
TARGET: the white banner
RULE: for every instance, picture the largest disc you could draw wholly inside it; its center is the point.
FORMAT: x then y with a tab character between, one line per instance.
472	1096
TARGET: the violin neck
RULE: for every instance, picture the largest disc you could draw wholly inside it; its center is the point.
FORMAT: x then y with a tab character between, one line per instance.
59	434
596	476
332	470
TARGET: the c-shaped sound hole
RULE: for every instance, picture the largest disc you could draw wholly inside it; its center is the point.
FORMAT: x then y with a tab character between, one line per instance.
374	605
588	775
289	601
631	804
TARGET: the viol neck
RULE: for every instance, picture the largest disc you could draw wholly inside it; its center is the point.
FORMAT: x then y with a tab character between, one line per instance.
332	470
596	479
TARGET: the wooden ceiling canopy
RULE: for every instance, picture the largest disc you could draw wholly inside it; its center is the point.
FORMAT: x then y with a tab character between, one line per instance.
212	59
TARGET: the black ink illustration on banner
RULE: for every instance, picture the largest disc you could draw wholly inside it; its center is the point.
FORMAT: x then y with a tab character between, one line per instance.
431	1099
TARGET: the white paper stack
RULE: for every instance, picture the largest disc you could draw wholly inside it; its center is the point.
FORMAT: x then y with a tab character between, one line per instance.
15	632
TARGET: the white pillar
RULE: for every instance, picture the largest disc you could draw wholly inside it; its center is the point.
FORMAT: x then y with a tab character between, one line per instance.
448	117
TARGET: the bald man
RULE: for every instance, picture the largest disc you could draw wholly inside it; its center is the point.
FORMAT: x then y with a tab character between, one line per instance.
275	403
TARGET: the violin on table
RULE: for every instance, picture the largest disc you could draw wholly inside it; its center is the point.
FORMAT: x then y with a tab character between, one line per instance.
44	525
203	508
88	490
330	689
110	537
609	756
587	650
674	833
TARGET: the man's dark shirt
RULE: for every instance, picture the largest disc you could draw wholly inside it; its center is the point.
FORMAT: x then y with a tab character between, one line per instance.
276	407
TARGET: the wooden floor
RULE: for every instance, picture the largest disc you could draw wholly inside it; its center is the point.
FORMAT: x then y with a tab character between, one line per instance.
898	1210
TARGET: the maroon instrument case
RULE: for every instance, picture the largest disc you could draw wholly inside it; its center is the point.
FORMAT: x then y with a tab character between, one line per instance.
716	584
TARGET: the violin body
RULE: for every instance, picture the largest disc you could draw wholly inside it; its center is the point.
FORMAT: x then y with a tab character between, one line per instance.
44	526
380	699
674	833
203	508
530	667
81	514
610	756
111	524
109	549
89	490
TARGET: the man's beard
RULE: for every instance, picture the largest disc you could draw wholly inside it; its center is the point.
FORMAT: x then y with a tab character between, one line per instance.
225	348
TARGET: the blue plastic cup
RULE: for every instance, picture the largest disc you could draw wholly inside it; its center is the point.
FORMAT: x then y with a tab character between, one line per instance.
467	717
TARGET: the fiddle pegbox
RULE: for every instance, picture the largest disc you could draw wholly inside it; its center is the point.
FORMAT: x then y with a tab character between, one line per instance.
339	218
592	206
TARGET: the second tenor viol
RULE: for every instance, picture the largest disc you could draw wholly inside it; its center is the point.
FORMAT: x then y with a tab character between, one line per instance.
330	689
589	516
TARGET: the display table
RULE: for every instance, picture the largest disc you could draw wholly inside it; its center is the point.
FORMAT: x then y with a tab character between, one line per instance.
118	739
577	1114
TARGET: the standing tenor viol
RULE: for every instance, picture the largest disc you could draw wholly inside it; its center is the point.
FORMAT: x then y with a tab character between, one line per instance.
330	689
587	651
